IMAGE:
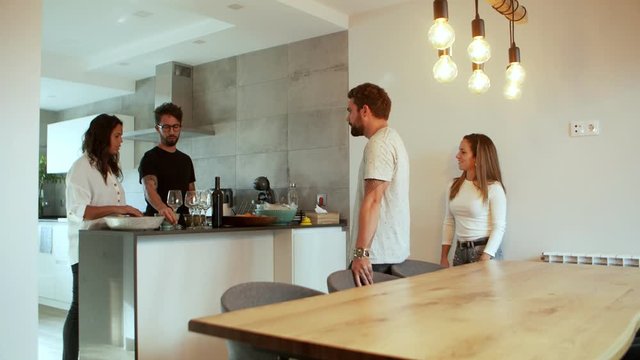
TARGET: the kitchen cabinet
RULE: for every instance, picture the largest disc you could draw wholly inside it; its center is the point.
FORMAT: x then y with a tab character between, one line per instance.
55	280
64	143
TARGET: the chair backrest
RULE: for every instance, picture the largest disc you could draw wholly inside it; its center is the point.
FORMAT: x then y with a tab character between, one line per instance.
413	267
251	294
343	279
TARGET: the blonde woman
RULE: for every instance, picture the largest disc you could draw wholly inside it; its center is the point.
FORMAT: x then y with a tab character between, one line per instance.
476	204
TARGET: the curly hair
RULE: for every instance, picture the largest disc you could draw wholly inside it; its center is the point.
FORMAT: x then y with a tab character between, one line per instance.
374	97
487	166
168	109
96	143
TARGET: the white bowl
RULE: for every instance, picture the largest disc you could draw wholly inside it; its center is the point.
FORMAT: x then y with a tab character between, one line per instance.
133	223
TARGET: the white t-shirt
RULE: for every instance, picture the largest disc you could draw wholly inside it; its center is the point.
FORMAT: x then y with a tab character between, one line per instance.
473	218
385	158
85	186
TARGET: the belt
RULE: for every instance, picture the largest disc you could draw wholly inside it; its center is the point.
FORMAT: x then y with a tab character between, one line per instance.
472	244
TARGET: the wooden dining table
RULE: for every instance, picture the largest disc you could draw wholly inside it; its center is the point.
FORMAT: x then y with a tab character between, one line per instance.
485	310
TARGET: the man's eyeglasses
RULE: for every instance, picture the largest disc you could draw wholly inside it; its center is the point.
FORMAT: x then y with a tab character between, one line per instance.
165	128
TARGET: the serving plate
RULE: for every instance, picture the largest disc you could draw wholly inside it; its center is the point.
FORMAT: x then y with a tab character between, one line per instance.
133	223
244	220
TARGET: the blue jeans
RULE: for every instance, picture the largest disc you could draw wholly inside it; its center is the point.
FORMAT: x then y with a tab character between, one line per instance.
70	337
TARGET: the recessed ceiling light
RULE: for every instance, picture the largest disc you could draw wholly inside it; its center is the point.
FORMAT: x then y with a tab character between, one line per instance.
142	13
235	6
199	42
123	63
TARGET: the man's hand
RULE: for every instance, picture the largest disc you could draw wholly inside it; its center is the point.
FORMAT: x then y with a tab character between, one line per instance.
168	214
444	262
362	271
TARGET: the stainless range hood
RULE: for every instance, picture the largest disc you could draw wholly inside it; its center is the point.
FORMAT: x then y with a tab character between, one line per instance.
174	83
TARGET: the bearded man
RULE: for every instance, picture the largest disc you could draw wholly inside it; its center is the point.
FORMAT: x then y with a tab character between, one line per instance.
164	167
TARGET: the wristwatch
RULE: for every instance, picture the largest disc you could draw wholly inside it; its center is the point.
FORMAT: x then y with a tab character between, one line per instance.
359	253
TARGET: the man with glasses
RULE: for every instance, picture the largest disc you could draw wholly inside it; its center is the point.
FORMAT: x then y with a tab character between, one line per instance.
164	167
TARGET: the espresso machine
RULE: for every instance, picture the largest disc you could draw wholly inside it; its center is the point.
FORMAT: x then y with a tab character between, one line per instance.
261	183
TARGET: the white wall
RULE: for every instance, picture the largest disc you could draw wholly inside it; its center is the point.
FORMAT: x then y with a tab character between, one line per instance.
19	100
564	194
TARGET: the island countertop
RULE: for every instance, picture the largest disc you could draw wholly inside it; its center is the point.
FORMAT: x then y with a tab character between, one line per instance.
222	229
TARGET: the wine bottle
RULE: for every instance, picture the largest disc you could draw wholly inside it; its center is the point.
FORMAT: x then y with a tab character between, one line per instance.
217	199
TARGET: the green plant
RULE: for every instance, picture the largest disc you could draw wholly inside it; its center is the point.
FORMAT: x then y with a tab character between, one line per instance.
44	177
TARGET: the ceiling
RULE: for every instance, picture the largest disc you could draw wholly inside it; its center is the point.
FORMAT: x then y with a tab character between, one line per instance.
94	49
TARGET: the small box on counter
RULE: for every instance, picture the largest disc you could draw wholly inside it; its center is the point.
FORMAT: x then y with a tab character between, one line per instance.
323	219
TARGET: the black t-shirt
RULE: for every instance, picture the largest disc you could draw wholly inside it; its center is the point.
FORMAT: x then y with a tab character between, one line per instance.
174	171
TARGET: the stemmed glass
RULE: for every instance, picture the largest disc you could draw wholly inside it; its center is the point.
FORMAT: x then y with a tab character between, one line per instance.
191	201
174	201
205	204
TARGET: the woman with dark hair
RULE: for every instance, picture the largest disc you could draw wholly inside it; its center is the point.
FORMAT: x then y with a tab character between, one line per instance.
476	205
93	192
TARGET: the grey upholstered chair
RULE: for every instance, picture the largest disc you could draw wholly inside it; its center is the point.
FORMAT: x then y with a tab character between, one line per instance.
251	294
343	279
413	267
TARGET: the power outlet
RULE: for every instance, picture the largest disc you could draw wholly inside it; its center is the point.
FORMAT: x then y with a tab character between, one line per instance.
321	199
584	128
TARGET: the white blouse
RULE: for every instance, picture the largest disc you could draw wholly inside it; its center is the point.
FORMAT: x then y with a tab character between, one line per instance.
85	186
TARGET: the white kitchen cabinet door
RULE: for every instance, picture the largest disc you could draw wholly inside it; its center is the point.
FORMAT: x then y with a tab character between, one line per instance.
64	143
317	253
55	280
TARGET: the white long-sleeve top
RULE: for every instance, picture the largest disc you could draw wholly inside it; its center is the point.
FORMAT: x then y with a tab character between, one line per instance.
472	218
85	186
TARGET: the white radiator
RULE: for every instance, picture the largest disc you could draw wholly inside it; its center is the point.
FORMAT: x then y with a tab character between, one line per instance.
591	259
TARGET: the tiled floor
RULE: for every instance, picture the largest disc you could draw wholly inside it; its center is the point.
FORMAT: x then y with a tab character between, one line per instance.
51	321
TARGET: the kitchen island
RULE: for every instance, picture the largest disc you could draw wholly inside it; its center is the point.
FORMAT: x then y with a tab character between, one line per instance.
138	289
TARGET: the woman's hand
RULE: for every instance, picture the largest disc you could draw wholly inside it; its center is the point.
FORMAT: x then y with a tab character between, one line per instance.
130	210
485	257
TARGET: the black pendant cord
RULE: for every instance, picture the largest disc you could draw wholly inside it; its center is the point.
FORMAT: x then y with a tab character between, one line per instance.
477	15
511	29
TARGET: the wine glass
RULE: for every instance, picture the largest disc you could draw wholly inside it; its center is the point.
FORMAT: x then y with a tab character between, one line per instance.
191	201
174	201
205	203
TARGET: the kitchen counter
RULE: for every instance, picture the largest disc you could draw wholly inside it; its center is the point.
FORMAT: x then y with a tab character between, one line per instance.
138	289
342	224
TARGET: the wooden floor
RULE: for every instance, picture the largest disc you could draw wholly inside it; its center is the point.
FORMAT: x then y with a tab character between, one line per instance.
51	322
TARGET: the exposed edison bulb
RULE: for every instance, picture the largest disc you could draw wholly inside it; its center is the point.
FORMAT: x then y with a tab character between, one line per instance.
479	82
479	50
512	91
445	70
441	34
515	73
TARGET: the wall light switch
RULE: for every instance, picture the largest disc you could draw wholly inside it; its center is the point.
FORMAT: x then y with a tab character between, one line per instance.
584	128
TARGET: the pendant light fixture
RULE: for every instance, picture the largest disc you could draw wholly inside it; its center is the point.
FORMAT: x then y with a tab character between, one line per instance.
479	82
441	34
479	50
442	37
445	70
515	73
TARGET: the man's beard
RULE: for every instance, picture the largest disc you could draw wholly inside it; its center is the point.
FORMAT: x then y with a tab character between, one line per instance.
356	131
170	142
